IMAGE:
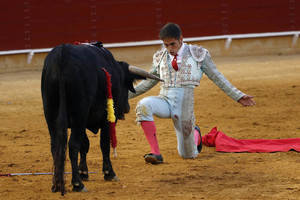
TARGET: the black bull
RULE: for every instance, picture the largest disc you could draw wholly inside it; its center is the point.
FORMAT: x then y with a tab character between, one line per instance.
74	92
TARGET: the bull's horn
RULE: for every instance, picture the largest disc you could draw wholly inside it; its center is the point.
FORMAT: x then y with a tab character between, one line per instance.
141	72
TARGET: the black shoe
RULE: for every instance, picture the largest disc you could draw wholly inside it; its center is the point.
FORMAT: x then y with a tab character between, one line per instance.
199	146
153	158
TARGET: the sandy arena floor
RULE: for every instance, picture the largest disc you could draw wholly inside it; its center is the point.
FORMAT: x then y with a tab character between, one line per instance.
273	80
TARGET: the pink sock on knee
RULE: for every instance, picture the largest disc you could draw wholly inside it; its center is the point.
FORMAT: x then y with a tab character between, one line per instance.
196	136
150	133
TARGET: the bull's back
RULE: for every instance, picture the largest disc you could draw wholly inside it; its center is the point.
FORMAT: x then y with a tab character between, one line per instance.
72	80
74	65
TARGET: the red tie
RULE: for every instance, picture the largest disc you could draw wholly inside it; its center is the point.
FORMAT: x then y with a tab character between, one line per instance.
174	63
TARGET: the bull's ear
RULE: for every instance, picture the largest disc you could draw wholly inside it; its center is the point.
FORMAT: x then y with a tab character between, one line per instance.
131	88
134	77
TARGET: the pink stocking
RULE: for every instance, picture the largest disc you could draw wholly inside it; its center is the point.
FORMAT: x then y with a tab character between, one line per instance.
150	133
197	137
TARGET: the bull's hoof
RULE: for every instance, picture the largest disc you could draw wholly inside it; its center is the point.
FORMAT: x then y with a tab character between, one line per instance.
111	178
84	175
79	187
116	179
56	188
75	189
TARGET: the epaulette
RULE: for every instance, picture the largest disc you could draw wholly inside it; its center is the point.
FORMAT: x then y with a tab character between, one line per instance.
198	52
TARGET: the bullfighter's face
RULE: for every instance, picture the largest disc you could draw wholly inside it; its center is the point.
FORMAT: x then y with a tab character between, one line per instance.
173	45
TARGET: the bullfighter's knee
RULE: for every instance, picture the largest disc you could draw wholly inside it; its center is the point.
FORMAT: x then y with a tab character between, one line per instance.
144	110
187	148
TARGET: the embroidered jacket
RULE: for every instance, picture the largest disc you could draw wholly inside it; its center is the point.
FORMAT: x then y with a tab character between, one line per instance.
195	61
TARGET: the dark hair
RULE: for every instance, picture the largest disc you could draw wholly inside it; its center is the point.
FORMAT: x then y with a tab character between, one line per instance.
170	30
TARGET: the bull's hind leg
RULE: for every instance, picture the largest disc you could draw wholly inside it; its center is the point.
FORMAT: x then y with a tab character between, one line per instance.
57	126
84	148
77	135
107	169
58	150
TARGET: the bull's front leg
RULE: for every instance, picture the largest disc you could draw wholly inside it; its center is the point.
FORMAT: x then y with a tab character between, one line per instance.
109	174
74	148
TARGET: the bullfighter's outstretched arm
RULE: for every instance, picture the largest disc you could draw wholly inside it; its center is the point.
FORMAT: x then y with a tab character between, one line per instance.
210	69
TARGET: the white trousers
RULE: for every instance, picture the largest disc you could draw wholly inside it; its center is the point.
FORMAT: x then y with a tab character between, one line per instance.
178	104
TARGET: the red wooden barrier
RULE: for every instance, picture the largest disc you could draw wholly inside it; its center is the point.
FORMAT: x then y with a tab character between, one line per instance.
44	23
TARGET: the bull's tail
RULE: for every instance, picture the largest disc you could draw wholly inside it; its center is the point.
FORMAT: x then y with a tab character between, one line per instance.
61	135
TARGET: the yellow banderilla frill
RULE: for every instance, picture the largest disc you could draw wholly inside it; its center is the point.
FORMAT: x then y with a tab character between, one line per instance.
110	110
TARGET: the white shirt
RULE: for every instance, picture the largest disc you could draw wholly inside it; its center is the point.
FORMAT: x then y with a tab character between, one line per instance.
179	55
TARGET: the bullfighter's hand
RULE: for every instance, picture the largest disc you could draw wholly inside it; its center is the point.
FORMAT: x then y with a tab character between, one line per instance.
247	100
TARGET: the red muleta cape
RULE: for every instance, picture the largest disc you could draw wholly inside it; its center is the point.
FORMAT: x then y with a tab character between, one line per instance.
224	143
